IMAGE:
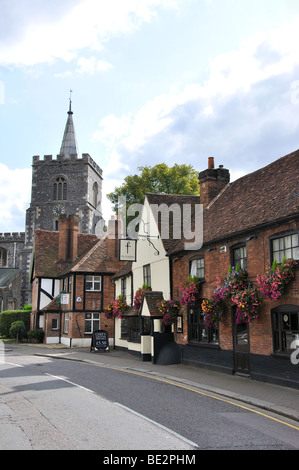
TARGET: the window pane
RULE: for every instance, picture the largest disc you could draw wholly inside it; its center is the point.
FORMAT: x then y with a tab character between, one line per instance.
276	244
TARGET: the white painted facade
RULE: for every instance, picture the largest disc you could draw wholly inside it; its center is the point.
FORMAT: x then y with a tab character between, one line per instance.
150	251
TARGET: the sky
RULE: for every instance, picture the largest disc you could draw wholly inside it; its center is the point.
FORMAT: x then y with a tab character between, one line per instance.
173	81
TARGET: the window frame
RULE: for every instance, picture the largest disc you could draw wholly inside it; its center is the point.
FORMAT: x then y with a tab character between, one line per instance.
234	260
94	321
60	188
92	281
193	260
3	251
279	317
282	235
147	275
200	329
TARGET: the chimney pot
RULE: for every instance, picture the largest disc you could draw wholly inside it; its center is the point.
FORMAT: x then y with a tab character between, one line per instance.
211	162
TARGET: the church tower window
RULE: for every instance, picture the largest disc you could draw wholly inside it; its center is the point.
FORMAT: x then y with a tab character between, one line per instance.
3	257
95	193
60	189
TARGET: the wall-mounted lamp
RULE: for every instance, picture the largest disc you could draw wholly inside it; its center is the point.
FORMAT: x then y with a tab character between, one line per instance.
253	237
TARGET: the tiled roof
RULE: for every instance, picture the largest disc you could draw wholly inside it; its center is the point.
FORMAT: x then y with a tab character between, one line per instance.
46	252
262	197
265	196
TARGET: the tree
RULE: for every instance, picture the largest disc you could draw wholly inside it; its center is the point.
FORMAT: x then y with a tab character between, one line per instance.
178	179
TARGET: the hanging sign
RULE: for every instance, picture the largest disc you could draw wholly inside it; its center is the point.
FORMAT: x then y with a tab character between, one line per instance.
127	250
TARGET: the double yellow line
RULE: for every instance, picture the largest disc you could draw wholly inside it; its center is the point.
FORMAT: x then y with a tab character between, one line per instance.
191	389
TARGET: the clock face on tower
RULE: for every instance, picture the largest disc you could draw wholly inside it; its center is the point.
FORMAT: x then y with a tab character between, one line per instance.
58	210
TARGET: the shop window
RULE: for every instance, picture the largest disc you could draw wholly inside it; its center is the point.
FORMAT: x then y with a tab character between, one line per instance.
286	246
197	268
133	329
198	332
93	283
92	322
285	325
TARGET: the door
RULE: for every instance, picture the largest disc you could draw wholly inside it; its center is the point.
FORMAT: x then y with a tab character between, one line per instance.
241	346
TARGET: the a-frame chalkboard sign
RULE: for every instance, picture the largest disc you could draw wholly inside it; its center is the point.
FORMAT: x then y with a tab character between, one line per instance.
99	341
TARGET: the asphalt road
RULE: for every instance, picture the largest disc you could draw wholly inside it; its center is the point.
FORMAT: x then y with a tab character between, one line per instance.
48	404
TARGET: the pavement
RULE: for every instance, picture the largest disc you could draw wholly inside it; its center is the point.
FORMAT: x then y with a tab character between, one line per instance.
280	400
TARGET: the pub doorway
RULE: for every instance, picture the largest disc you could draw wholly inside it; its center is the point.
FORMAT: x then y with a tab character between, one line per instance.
241	346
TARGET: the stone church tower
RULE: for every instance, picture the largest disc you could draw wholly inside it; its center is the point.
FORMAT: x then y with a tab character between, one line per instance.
68	184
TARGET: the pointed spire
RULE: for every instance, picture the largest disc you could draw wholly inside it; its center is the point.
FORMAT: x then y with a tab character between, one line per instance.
69	142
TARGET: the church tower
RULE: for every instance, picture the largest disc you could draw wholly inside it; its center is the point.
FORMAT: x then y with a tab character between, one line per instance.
68	184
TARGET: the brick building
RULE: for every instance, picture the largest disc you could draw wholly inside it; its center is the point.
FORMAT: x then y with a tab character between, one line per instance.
250	222
71	282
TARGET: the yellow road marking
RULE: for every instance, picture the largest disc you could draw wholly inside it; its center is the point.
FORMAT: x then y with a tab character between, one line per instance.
161	379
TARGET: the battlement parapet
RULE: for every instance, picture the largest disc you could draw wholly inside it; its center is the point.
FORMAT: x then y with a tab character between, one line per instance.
12	237
36	160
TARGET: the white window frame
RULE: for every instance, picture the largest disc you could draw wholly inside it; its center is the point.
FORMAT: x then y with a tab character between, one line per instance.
95	283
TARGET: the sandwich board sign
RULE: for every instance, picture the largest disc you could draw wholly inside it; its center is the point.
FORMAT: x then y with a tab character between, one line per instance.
99	340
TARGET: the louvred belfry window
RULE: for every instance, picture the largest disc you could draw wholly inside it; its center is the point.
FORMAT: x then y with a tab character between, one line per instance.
60	189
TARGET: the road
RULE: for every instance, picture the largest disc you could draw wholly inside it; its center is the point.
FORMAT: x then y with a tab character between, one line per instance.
53	404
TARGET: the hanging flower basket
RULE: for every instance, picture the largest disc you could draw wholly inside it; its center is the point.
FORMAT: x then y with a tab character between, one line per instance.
248	302
169	309
117	308
190	291
213	311
139	295
274	282
235	281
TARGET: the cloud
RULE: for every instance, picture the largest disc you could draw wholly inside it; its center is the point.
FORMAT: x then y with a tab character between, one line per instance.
244	113
15	191
44	32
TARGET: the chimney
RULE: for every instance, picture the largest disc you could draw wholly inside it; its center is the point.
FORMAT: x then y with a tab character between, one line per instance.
115	232
212	181
68	237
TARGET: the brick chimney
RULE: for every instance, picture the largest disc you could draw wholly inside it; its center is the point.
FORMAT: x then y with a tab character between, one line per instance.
115	231
212	181
68	237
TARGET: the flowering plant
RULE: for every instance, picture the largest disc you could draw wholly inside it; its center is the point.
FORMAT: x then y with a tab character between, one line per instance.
139	294
248	303
190	291
213	311
169	309
273	283
235	280
117	308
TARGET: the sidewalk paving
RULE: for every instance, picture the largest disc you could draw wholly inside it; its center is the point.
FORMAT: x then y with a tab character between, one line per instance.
275	398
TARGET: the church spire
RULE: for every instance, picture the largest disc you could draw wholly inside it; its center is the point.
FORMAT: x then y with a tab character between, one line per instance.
69	142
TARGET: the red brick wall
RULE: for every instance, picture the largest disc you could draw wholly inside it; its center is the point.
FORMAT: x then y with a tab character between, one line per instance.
217	264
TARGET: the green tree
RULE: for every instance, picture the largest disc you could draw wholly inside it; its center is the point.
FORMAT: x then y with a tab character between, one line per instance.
159	179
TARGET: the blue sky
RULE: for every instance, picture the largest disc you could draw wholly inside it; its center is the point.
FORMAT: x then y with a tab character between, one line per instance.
153	81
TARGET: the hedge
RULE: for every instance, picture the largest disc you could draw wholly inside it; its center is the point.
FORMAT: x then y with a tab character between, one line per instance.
9	316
